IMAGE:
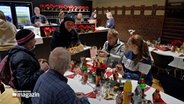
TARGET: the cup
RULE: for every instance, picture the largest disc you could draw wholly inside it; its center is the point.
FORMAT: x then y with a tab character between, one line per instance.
93	52
99	93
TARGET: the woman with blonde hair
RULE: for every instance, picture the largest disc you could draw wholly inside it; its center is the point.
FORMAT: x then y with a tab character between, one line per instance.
137	60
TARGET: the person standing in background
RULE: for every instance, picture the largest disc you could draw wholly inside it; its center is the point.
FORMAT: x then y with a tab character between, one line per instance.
38	19
93	15
67	36
113	49
79	18
61	17
7	35
25	67
110	23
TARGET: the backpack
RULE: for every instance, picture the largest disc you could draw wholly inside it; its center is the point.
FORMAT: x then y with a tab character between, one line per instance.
6	74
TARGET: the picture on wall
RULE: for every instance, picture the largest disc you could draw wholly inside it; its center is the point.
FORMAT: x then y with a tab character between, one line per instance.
6	9
23	15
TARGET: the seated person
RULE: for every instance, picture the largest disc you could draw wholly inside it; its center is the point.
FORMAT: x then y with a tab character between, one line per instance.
26	68
52	86
113	49
61	17
67	36
38	19
137	60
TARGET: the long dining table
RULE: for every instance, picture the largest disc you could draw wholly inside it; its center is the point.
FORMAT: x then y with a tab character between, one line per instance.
178	61
76	84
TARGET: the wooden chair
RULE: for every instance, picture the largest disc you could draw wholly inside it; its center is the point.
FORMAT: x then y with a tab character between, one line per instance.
161	62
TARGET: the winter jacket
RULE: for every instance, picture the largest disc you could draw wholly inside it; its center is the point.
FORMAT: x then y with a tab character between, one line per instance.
7	35
116	53
110	23
63	38
25	67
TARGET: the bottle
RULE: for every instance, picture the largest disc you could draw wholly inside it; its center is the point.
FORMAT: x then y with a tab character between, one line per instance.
127	92
84	65
115	75
98	76
85	77
72	66
119	98
137	96
142	83
156	96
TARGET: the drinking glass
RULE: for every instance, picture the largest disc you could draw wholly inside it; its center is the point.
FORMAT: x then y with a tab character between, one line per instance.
99	93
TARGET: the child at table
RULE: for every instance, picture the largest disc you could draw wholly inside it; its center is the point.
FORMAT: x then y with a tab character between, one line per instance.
137	60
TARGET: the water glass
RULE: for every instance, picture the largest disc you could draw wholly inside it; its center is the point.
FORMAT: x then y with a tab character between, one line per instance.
99	93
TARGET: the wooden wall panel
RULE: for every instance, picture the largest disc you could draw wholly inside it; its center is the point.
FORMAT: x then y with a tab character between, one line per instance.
146	22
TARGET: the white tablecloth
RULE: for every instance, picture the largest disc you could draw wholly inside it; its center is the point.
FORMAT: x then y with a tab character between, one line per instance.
77	86
178	62
39	39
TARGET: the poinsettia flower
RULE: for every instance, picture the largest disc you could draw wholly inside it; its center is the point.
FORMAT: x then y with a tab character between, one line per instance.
46	5
41	5
87	27
51	5
81	26
93	26
75	26
53	28
47	29
103	66
176	43
62	5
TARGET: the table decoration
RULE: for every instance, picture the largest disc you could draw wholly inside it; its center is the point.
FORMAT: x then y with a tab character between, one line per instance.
76	49
109	95
162	47
175	44
48	31
157	97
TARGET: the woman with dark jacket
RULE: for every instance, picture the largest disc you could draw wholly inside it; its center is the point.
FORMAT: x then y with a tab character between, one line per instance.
26	68
67	36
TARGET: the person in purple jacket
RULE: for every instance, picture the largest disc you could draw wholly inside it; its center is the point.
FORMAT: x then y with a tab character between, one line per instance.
110	23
